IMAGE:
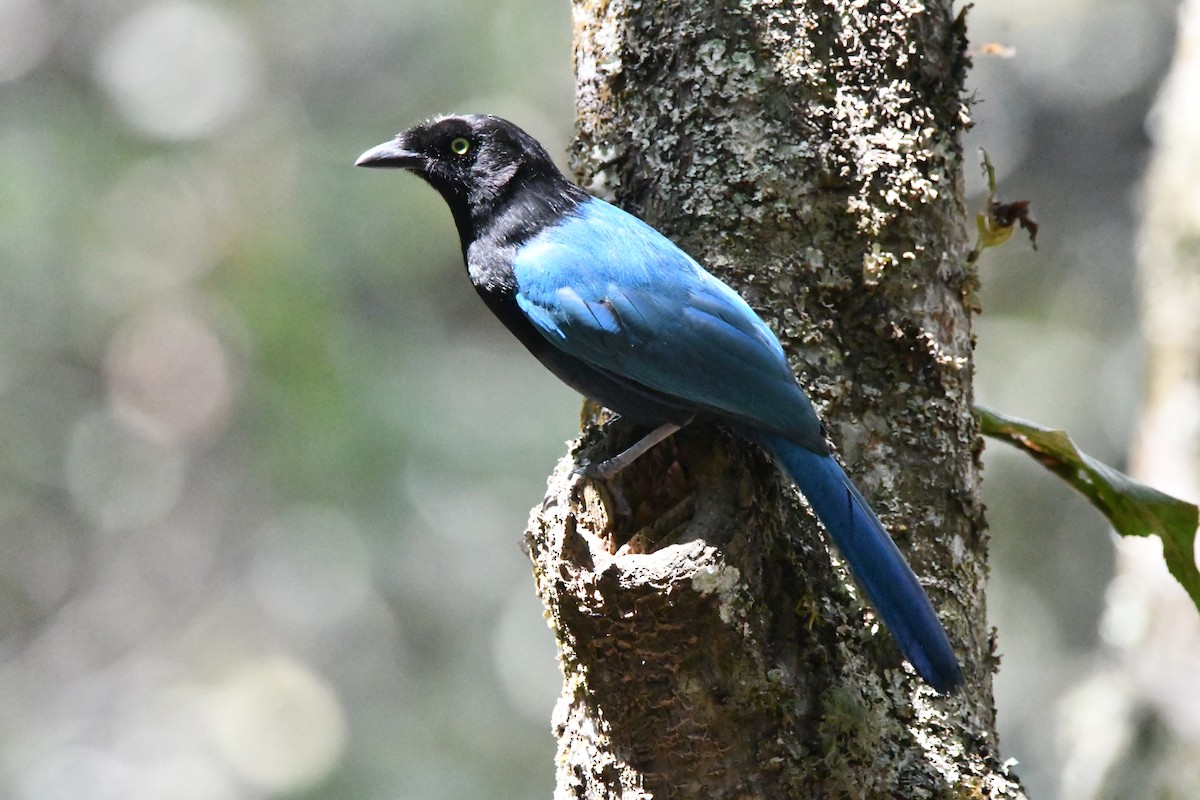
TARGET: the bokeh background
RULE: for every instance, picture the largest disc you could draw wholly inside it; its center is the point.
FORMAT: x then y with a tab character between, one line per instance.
265	460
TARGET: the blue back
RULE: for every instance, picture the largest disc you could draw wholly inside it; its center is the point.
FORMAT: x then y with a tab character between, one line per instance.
606	288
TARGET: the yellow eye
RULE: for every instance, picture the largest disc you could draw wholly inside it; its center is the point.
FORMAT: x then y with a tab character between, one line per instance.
459	146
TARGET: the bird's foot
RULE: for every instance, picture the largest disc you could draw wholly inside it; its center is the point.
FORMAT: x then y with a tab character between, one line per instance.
609	467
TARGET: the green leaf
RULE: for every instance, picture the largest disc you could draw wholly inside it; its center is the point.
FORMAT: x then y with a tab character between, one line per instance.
1133	508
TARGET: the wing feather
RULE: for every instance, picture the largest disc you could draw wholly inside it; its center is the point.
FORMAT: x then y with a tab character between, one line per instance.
608	289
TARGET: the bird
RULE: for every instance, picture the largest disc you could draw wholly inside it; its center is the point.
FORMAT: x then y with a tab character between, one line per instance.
625	317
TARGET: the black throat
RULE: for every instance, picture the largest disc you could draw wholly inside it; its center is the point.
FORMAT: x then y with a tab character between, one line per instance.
491	233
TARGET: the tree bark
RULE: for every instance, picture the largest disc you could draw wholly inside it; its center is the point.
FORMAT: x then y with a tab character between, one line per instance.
807	153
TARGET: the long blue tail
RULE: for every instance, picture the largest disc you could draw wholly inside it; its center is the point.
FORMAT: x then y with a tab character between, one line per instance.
873	558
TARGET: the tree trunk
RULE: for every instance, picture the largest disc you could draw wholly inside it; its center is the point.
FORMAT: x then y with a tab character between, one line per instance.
1143	697
808	154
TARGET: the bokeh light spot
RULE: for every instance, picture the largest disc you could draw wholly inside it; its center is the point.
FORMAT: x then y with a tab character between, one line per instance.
277	724
313	567
158	228
179	70
168	375
74	772
25	36
119	479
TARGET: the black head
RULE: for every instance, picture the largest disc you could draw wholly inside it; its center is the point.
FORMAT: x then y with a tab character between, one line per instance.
476	162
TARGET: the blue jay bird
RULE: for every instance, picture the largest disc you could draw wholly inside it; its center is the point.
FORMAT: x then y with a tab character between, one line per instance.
626	318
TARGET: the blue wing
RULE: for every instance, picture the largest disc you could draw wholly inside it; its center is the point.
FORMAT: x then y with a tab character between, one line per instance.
606	288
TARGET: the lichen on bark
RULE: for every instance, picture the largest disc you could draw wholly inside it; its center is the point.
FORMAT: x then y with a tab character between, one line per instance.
808	154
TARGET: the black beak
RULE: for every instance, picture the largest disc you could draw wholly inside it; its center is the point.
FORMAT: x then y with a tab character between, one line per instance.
390	154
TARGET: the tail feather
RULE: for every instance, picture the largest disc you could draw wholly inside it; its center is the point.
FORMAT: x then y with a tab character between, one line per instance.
874	560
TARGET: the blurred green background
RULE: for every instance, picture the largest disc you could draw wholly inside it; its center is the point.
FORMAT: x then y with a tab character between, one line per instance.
265	459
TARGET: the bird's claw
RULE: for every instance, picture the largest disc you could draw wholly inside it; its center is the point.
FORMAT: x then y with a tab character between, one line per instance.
596	469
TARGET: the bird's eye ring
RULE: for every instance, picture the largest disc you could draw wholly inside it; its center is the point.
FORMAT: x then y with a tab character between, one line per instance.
459	146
